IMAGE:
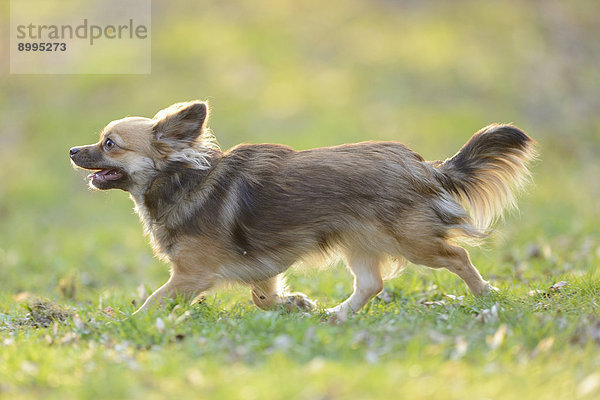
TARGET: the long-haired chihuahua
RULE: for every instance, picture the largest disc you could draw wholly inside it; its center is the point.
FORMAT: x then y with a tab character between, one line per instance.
247	214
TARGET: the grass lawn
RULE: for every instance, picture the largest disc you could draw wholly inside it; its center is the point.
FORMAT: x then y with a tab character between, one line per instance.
74	264
422	339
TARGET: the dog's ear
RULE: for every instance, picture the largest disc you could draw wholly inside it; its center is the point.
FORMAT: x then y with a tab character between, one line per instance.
181	123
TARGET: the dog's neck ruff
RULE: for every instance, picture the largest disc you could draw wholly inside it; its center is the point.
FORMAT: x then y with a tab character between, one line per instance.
165	204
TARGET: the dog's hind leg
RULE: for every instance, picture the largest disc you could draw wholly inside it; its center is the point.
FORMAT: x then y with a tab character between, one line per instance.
437	253
457	260
180	285
366	268
459	263
271	293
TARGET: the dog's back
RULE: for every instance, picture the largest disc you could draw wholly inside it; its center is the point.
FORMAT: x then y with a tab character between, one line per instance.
319	199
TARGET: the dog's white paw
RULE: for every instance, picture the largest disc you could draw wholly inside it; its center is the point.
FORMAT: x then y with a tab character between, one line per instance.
298	301
337	315
489	289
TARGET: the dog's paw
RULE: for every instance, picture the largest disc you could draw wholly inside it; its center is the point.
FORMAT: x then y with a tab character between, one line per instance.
337	315
298	301
489	289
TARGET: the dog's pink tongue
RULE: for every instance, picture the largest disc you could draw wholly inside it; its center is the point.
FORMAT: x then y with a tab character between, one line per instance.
105	174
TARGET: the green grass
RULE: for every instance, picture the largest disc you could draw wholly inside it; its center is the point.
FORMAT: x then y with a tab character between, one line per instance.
420	342
308	74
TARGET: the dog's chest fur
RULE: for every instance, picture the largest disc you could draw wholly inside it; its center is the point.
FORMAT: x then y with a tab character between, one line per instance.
168	206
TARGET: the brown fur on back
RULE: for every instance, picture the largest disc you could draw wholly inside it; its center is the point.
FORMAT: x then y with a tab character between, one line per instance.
268	205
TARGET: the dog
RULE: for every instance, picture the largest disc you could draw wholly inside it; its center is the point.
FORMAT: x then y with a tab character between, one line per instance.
247	214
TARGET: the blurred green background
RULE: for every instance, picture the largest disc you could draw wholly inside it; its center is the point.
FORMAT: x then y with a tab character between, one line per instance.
309	74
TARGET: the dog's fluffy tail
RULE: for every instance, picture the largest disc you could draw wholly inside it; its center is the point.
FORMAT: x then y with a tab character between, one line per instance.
487	172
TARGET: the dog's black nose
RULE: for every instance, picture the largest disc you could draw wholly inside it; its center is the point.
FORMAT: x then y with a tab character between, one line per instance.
73	151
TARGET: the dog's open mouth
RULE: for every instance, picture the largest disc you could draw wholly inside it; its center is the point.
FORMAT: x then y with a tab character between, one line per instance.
106	175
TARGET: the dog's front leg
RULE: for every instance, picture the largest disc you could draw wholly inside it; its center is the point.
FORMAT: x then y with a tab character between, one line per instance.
367	283
184	285
155	297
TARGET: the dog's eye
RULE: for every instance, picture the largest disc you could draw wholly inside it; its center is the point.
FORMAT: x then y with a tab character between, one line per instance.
109	144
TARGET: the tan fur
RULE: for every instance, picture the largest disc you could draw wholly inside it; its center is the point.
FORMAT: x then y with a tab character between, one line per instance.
247	214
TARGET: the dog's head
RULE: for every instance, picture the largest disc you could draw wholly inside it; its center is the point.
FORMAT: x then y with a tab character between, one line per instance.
132	150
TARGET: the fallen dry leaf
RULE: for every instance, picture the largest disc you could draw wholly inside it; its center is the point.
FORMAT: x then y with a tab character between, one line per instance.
589	385
558	286
457	298
22	297
460	348
552	290
544	345
536	292
69	337
488	314
497	339
431	303
108	310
